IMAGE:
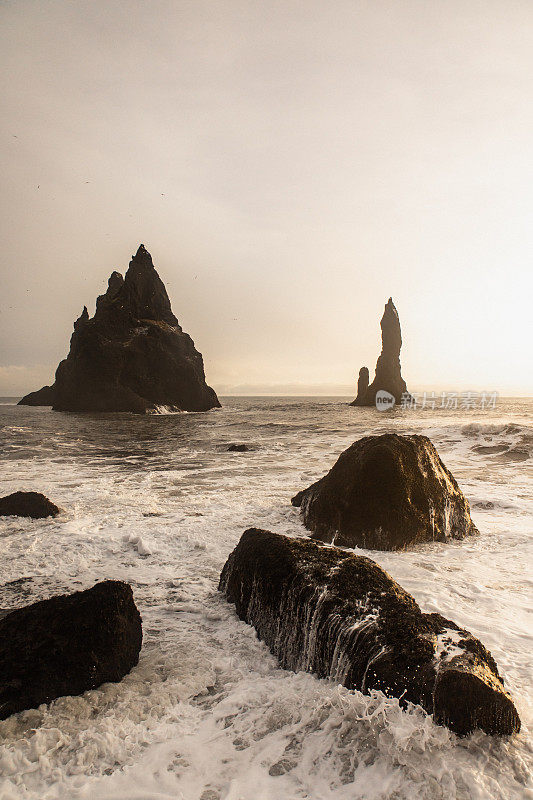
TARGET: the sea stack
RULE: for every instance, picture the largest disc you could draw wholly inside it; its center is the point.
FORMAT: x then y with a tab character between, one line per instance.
388	376
132	355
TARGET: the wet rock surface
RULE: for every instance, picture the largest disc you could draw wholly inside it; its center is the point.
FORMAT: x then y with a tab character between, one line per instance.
66	645
386	492
28	504
388	371
132	355
323	610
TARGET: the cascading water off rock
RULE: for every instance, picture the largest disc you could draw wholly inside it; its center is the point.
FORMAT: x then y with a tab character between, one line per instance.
341	616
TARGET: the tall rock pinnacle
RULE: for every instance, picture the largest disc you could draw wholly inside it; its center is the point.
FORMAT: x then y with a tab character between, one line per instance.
132	355
144	292
388	372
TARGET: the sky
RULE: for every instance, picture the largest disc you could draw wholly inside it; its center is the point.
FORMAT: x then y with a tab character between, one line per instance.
289	165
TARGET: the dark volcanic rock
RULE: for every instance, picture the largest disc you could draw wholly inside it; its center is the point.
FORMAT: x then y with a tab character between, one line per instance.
27	504
41	397
386	493
67	645
388	373
341	616
238	448
132	355
362	384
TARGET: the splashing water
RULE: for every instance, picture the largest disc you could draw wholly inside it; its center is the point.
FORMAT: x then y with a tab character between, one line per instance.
209	714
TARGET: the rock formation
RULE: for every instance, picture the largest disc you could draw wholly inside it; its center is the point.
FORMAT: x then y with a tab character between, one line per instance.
132	355
386	492
67	645
362	384
42	397
388	373
27	504
341	616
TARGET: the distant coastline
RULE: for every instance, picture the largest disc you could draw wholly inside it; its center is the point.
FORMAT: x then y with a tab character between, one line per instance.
13	399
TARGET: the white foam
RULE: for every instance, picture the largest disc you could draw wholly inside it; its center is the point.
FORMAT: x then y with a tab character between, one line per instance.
447	645
165	410
208	712
139	544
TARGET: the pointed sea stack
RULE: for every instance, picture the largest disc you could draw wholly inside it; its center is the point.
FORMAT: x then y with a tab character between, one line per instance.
132	355
388	373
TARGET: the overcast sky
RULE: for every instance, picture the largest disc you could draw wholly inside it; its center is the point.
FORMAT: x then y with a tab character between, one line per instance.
289	165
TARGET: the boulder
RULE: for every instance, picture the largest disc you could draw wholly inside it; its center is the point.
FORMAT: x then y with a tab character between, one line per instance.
27	504
388	376
386	492
238	448
67	645
341	616
132	355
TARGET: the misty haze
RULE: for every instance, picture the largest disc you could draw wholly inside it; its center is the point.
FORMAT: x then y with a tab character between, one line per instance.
266	400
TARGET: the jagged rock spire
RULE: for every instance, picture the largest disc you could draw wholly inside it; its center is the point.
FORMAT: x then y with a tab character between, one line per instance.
132	355
144	293
388	372
391	334
363	381
82	319
142	257
115	282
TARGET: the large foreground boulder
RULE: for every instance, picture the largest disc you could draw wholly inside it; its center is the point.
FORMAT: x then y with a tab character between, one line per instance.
386	492
27	504
388	376
67	645
132	355
341	616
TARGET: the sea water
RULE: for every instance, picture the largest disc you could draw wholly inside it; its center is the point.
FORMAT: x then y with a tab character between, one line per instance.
208	714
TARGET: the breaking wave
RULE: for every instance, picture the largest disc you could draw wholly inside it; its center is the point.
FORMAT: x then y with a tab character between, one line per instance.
208	714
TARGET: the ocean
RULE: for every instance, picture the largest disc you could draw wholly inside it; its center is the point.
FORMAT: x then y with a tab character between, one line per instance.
157	501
